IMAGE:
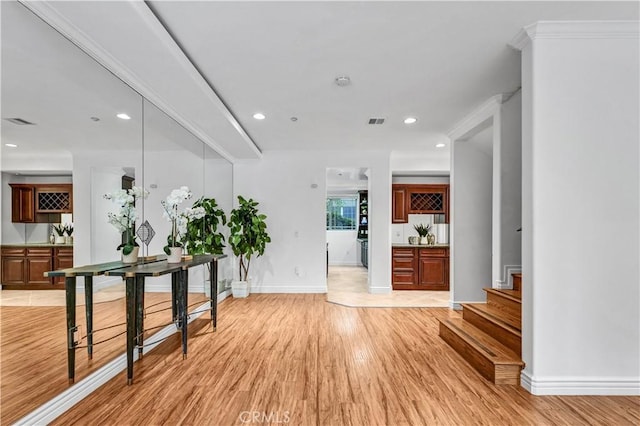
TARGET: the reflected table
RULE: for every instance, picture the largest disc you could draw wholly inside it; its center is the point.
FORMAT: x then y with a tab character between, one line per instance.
70	275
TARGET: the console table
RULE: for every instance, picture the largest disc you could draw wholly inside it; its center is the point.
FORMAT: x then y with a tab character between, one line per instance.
135	276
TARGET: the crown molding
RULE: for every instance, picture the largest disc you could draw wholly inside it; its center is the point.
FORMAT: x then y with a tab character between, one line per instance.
576	30
46	12
461	130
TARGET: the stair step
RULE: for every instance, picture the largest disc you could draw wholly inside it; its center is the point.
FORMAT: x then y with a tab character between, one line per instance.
496	322
505	300
517	281
487	355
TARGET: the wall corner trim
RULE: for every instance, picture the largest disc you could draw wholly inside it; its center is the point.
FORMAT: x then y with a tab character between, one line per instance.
464	128
575	30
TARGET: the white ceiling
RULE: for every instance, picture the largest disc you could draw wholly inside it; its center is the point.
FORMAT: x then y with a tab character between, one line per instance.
436	61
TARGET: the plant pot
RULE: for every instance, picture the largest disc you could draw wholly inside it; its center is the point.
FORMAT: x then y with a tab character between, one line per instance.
60	239
175	256
68	240
424	240
240	289
131	257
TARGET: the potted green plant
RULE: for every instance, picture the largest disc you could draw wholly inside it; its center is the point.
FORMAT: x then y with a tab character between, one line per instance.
59	233
202	236
68	230
423	231
248	237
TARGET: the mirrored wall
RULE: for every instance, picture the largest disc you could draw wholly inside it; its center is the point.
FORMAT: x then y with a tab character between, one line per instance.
67	125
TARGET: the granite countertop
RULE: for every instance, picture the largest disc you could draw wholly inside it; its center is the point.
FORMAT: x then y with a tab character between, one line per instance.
419	245
36	245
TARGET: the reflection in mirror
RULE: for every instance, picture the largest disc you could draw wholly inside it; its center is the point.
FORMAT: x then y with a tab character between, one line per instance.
75	137
218	178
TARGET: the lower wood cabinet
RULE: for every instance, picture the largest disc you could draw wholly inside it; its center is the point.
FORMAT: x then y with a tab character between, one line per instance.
24	267
420	268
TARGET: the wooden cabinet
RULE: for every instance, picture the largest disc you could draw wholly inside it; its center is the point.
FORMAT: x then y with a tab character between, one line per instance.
41	203
416	268
399	204
419	199
24	267
38	261
434	269
404	268
62	259
22	203
13	266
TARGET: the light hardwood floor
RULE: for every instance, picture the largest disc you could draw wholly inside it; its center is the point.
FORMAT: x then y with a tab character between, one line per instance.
33	351
297	359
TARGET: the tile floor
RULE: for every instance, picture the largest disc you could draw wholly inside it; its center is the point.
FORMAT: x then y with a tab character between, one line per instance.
347	285
56	297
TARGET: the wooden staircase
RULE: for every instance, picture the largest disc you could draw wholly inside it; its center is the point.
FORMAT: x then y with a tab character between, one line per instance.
489	335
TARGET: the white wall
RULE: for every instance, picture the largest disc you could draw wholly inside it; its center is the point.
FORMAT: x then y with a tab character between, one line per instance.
471	213
581	321
343	247
421	161
509	173
282	183
20	233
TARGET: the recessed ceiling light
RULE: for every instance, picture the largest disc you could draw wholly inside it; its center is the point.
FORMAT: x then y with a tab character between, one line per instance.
123	116
259	116
294	118
410	120
440	145
95	119
11	145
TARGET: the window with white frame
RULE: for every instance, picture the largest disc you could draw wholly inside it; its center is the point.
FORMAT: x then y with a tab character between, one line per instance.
342	213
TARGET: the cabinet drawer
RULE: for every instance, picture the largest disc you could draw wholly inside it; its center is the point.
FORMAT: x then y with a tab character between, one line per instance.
403	278
433	252
38	251
403	252
403	263
13	251
64	252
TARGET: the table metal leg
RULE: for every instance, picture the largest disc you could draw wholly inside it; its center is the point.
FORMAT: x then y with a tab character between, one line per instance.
174	292
184	288
70	291
140	314
213	280
88	298
130	283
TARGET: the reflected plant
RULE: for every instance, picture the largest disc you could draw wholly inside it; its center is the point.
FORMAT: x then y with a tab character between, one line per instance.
125	219
179	221
202	234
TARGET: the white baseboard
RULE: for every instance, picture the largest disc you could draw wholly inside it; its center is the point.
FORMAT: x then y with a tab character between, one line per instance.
581	385
344	264
380	290
507	282
97	286
317	288
457	305
55	407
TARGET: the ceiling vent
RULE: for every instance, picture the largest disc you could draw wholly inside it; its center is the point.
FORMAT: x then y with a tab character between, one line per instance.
375	120
20	121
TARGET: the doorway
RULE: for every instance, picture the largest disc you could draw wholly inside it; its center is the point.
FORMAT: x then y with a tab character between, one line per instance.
347	229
